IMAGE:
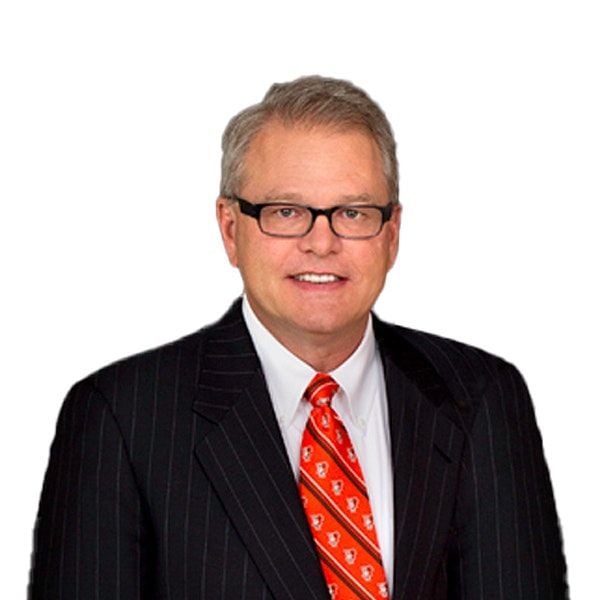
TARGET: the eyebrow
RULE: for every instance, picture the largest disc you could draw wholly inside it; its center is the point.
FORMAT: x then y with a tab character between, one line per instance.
274	196
297	198
358	199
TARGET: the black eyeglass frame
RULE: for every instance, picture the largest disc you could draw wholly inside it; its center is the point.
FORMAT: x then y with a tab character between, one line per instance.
253	210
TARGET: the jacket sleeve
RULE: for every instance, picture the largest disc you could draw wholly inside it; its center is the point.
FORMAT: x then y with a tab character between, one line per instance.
508	541
91	538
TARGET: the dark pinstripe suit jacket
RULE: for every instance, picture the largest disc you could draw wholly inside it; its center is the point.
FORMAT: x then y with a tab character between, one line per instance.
168	478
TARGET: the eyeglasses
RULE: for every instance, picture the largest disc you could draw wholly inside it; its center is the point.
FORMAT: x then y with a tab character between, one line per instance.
288	220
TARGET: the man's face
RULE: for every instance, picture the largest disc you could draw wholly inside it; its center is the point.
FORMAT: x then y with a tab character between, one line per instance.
319	167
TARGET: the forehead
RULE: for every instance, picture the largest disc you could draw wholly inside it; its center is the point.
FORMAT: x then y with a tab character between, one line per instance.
316	161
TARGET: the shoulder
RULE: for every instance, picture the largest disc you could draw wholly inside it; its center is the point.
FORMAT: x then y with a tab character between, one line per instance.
170	368
469	374
445	353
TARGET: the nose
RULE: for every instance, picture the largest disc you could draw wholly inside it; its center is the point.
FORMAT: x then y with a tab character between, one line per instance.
320	240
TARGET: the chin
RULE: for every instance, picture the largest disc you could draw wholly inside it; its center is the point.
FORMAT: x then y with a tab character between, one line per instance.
325	325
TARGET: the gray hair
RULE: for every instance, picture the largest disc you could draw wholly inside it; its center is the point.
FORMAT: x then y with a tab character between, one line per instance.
315	101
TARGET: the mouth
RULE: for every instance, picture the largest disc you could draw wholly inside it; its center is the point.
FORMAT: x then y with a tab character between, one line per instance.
319	278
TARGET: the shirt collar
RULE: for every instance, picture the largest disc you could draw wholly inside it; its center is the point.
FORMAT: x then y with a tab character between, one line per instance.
287	376
357	377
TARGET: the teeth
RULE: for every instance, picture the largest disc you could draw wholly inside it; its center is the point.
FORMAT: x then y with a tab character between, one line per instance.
313	278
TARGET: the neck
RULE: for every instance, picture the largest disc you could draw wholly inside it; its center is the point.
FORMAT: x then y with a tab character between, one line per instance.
322	354
323	351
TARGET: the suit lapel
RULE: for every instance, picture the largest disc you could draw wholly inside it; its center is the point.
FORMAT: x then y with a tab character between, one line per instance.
242	453
426	448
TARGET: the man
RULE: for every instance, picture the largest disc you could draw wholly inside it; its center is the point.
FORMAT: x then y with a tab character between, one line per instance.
301	448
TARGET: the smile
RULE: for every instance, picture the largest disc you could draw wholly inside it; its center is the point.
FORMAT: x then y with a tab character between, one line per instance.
317	278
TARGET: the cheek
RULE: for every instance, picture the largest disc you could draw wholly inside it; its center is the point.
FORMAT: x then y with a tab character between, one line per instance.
259	260
393	242
386	253
373	261
243	252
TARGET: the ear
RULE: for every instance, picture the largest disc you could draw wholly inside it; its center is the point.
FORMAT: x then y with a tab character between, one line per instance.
227	217
394	234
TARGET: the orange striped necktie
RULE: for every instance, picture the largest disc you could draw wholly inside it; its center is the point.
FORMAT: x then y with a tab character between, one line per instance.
335	499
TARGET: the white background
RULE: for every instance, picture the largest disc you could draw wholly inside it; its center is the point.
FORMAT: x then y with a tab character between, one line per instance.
110	123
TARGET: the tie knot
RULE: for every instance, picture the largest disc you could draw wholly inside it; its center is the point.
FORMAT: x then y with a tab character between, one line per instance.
321	390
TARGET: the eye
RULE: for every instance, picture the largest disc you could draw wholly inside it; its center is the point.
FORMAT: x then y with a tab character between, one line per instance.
286	212
352	214
280	212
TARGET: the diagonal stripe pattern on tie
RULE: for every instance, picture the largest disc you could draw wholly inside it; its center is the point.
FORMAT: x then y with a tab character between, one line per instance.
336	502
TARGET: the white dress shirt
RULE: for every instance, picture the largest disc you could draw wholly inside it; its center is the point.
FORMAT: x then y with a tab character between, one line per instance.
361	403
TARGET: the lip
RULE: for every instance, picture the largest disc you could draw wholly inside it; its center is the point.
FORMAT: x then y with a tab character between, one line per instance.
317	281
317	278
